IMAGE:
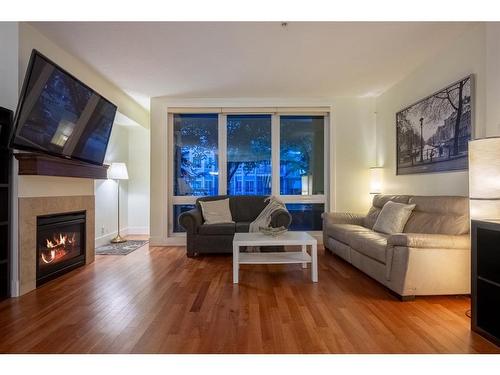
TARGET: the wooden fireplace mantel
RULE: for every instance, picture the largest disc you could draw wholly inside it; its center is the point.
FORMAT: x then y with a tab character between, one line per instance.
44	165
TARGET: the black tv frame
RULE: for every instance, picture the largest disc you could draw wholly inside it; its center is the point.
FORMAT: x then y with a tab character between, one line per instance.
22	97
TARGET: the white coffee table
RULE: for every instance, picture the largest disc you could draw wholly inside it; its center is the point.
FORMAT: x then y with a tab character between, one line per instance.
302	239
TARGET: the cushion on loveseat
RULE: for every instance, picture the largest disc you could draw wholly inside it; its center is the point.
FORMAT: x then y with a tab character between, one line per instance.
246	208
219	229
371	244
344	232
242	226
439	215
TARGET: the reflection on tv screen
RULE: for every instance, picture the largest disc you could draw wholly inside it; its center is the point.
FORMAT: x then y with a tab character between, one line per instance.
60	115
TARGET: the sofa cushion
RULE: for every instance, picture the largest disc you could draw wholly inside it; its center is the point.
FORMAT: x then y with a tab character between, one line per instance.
215	212
393	217
219	229
372	244
343	232
379	201
247	207
242	226
439	215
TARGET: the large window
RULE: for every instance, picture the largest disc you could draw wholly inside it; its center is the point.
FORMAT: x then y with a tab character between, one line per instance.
249	154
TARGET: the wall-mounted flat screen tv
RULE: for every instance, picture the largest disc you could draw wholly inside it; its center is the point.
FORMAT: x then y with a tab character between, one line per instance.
59	115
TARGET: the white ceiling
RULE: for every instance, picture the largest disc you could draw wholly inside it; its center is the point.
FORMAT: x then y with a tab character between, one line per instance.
252	59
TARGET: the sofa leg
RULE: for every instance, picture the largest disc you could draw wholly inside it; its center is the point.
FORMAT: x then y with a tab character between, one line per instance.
406	298
190	254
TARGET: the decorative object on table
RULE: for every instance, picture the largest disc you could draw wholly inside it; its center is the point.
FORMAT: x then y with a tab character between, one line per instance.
118	171
432	135
376	180
484	178
121	248
270	231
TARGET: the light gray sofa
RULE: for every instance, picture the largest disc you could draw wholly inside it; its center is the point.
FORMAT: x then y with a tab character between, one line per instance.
430	257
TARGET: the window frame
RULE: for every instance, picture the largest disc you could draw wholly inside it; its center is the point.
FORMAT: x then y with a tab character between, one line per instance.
222	158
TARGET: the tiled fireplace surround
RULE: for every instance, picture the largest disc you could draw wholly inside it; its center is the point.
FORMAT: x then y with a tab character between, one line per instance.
29	209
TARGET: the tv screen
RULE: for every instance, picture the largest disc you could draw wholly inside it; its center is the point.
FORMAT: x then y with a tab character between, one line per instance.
59	115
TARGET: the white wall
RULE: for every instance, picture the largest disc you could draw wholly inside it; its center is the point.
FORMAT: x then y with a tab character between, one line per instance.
138	185
492	81
8	64
353	120
461	57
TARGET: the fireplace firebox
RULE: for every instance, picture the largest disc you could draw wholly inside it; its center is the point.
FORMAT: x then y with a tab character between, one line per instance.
60	244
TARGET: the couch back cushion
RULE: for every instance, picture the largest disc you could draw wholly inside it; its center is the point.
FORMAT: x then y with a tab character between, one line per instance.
378	202
243	207
439	215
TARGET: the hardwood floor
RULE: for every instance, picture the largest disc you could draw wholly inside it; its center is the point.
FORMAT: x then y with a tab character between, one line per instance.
159	301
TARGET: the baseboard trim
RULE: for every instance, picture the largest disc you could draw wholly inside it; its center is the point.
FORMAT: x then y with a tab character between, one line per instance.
104	239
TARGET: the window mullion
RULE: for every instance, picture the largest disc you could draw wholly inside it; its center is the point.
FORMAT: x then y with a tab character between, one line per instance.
275	155
222	154
326	189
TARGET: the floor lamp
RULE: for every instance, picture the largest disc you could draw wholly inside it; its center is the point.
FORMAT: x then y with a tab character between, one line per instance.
118	171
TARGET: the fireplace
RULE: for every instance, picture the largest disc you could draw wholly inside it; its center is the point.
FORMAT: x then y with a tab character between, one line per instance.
60	244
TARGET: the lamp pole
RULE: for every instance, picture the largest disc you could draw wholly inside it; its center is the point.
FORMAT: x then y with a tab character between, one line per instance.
118	238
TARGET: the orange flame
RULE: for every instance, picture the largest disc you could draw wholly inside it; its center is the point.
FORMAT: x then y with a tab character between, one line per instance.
57	247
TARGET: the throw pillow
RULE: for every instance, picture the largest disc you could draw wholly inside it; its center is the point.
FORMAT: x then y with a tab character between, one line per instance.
393	217
216	212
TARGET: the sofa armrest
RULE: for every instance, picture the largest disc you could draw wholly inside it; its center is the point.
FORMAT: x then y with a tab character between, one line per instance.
191	220
429	241
281	218
342	218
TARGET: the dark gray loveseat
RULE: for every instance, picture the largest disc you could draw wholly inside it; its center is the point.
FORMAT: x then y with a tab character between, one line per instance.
218	238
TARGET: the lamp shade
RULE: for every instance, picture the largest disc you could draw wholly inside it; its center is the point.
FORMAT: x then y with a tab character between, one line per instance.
118	171
376	180
484	178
